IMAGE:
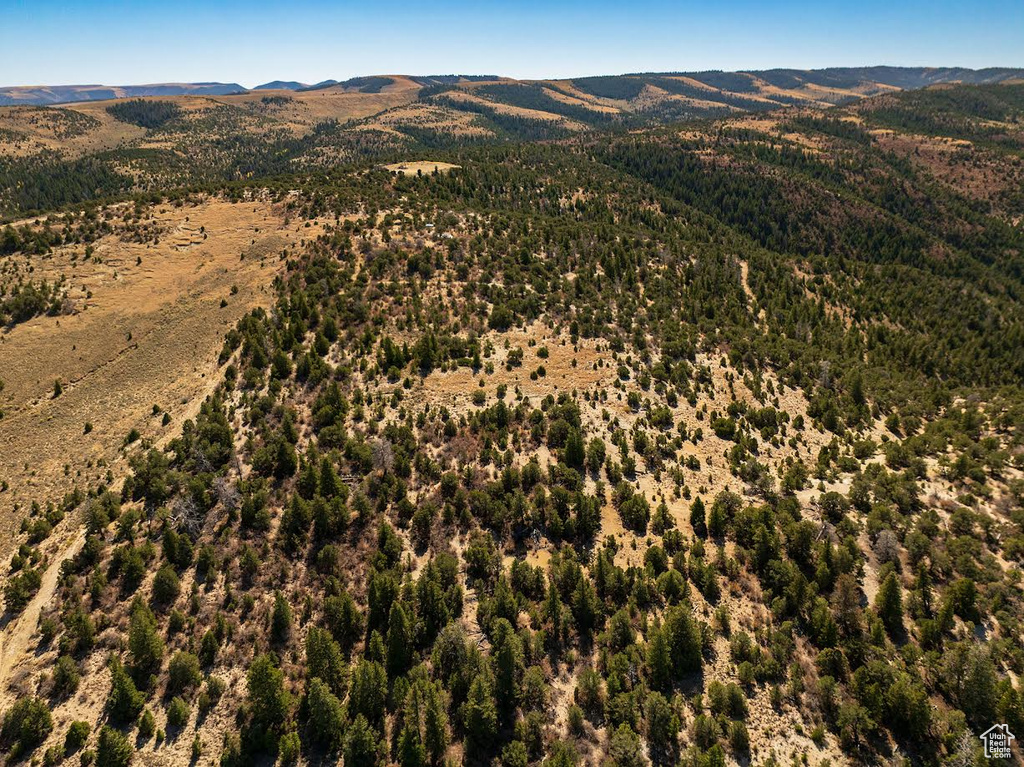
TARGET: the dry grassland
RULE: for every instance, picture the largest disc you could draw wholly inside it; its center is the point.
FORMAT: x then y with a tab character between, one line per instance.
420	166
147	329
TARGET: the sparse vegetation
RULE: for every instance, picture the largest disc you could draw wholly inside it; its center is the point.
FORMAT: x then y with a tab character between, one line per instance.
660	455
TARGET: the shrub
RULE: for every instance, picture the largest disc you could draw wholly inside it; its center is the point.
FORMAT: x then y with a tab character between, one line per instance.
113	750
147	725
66	676
26	725
183	673
177	712
166	586
77	736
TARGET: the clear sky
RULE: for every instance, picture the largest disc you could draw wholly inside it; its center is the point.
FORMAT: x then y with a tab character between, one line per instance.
124	43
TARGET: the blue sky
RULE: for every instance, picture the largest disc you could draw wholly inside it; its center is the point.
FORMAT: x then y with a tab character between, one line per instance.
120	43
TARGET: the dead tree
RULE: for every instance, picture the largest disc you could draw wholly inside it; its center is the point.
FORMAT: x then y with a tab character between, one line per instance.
186	515
383	456
226	493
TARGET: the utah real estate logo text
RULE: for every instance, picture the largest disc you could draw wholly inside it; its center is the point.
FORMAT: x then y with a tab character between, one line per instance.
997	741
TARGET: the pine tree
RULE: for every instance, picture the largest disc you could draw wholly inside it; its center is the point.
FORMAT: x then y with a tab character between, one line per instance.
575	452
25	726
124	702
343	619
684	641
659	659
330	485
553	608
698	518
411	751
324	660
480	715
716	521
326	714
585	608
144	643
846	605
889	604
280	619
308	481
362	747
369	691
624	748
508	664
662	728
113	749
268	699
435	726
399	652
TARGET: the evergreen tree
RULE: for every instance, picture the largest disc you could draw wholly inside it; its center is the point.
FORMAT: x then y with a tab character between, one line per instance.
326	714
624	748
369	691
411	751
399	652
144	643
435	726
684	642
662	728
324	660
362	747
659	659
25	726
508	665
280	619
480	715
113	749
575	452
268	699
697	518
586	608
124	702
889	604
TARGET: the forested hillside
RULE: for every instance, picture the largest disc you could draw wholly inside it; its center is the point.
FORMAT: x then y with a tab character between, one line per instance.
51	157
699	443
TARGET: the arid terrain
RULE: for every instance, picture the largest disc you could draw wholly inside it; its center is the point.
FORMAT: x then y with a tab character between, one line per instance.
143	326
650	419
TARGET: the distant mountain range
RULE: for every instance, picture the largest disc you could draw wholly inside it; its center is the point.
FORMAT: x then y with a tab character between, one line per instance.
62	94
847	79
281	85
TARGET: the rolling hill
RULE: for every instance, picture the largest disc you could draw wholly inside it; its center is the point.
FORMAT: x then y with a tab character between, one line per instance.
281	85
669	419
771	87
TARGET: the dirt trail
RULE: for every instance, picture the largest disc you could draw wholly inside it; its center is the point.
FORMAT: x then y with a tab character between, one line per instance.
15	637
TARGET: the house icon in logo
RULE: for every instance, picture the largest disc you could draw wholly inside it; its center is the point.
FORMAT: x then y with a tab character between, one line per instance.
997	741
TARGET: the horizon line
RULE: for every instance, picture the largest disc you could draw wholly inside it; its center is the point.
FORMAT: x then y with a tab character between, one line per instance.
637	73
